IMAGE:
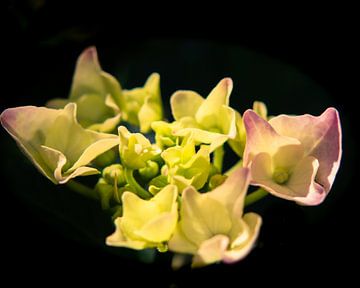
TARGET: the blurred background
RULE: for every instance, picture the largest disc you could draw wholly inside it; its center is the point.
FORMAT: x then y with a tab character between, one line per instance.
294	66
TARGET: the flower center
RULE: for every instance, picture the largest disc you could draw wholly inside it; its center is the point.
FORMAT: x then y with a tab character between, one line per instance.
281	176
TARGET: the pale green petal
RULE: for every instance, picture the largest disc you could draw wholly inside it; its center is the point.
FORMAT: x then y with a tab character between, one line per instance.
179	243
135	149
202	136
114	90
57	103
166	198
210	251
68	137
238	144
185	104
180	181
94	150
152	221
159	229
87	79
209	111
202	216
118	239
152	86
149	112
92	109
172	156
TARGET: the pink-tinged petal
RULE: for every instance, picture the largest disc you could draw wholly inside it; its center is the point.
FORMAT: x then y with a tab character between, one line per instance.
261	137
28	126
253	222
210	251
185	104
232	192
321	137
300	187
53	140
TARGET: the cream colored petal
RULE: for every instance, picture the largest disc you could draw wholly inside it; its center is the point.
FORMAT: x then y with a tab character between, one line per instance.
253	222
232	192
94	150
108	125
202	216
81	171
114	90
185	103
211	251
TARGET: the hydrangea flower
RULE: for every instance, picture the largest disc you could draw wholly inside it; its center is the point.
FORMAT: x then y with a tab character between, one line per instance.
146	223
187	167
212	226
209	120
135	149
143	105
294	157
54	141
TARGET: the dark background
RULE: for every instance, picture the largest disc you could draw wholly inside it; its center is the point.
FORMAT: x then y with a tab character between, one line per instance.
300	62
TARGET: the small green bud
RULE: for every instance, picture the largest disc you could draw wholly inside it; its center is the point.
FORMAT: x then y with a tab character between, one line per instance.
281	176
150	171
105	192
114	173
162	247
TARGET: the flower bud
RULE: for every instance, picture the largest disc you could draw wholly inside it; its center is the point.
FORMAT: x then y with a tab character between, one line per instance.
150	171
114	173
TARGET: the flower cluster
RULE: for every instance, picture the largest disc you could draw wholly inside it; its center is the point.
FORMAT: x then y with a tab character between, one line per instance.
172	193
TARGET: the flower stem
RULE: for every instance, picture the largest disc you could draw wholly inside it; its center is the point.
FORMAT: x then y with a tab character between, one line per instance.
255	196
129	176
233	168
218	158
82	189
